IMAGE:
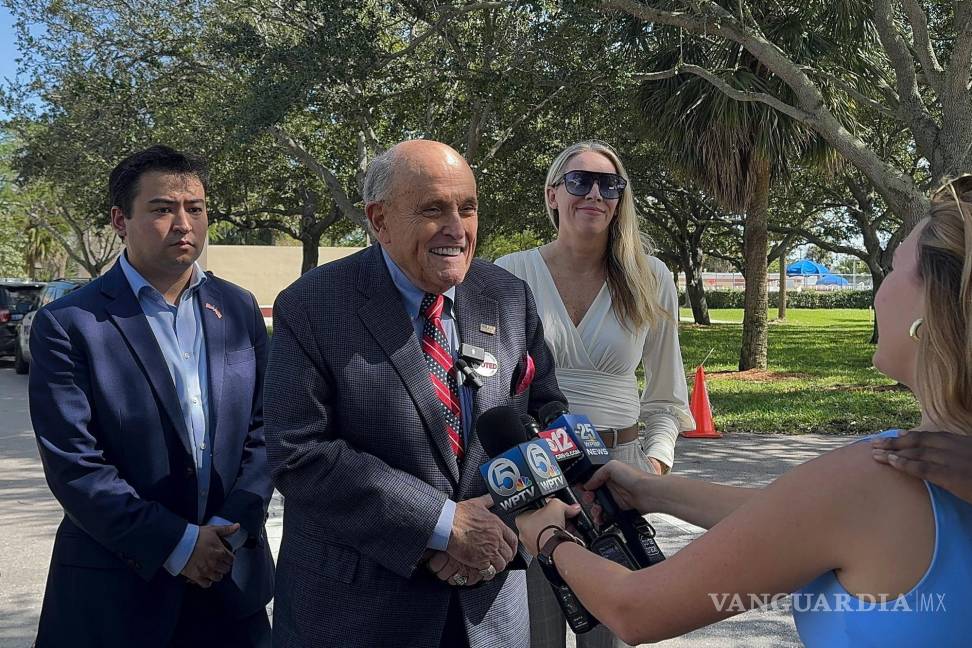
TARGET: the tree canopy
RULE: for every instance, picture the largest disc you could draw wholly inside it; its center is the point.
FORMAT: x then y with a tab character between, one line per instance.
746	127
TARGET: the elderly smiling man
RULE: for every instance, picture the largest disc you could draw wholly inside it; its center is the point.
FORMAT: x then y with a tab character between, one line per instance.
371	431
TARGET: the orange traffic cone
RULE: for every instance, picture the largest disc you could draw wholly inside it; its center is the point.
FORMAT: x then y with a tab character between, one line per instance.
701	410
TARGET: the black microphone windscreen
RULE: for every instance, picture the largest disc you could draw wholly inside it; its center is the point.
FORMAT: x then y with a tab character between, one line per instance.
530	424
551	411
499	429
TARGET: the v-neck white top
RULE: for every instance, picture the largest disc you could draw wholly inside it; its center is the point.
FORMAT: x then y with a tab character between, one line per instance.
597	359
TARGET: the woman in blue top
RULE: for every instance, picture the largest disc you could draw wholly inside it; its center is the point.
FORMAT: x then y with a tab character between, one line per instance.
873	556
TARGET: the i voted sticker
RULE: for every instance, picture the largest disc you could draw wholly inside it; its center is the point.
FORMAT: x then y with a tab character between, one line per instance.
489	366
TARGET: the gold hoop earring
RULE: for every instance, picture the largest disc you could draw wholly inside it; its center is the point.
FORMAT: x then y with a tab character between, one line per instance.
913	331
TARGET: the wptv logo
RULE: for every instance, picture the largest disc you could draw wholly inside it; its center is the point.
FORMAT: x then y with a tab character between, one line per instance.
523	474
505	477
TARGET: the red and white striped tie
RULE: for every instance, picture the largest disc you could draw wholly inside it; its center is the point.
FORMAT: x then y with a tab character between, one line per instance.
435	348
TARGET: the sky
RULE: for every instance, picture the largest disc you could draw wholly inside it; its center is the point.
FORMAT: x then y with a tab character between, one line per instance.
8	48
8	45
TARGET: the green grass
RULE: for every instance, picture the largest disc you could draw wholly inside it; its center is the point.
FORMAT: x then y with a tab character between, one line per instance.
819	376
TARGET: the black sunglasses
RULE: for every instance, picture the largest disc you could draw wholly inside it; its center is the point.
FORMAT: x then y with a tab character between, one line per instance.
580	183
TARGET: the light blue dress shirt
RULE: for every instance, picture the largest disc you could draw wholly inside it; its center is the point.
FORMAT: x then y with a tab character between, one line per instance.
412	300
178	330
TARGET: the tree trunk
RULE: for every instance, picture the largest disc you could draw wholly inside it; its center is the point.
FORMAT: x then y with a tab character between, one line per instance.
310	257
94	267
781	306
752	355
694	288
310	234
876	279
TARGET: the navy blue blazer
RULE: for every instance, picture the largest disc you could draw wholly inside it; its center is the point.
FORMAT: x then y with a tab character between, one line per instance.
116	455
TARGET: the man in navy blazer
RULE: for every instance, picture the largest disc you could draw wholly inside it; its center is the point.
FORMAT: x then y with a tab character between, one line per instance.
146	399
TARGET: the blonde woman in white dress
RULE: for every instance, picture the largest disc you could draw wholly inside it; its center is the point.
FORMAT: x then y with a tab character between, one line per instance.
606	305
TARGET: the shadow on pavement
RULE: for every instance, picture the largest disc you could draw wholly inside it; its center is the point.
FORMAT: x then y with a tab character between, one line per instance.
18	622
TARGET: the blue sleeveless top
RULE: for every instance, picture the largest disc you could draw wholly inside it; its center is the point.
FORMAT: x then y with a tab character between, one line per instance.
936	612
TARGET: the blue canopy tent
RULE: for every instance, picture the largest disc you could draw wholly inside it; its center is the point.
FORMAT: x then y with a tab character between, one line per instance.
832	280
805	267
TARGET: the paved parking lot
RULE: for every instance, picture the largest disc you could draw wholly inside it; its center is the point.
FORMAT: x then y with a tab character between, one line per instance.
29	516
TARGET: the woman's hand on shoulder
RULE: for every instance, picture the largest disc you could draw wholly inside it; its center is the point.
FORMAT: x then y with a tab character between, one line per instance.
943	458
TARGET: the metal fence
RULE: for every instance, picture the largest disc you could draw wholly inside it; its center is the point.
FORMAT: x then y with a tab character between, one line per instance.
735	281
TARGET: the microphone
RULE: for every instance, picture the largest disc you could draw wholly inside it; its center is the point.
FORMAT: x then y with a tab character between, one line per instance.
574	434
523	475
521	478
607	542
500	428
467	374
530	426
563	449
577	431
562	445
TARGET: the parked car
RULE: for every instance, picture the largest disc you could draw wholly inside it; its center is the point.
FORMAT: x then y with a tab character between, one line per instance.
53	290
17	298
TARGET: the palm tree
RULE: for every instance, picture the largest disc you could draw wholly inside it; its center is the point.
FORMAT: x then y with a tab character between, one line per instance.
737	151
42	257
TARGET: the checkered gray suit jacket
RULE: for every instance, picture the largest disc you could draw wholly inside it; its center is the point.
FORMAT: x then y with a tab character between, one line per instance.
358	447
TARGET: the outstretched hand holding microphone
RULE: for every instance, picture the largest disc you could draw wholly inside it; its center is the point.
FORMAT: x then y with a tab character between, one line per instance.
630	487
529	465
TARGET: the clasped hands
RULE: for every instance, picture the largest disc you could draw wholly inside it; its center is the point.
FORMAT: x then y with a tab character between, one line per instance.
480	545
211	558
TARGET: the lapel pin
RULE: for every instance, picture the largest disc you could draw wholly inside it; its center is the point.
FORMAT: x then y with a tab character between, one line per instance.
215	309
488	329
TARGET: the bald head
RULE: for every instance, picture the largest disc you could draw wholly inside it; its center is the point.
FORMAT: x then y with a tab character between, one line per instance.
409	155
420	199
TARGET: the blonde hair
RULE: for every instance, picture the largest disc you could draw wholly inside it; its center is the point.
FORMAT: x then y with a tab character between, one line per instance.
633	286
945	267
